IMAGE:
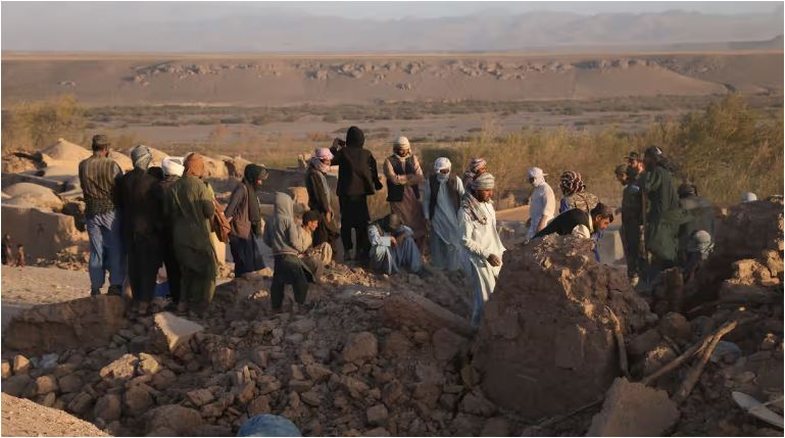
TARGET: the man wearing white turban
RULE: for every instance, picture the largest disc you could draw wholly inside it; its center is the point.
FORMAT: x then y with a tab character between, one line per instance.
484	249
442	209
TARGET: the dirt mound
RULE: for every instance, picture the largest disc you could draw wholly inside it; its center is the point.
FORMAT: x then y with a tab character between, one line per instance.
64	150
546	344
33	195
24	418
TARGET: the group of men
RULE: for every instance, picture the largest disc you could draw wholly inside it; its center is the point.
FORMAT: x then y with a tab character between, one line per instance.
152	216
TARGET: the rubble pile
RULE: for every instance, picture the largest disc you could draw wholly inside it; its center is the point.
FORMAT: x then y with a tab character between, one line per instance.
547	344
357	363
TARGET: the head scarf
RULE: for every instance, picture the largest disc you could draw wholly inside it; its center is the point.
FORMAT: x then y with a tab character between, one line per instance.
141	156
316	160
194	165
474	166
701	242
355	137
402	144
486	181
276	233
571	183
537	176
440	164
749	197
252	174
172	167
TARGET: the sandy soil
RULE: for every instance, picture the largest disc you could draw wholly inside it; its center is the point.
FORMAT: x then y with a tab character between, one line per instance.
22	417
28	286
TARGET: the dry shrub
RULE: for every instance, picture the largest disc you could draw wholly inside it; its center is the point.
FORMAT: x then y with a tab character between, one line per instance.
33	125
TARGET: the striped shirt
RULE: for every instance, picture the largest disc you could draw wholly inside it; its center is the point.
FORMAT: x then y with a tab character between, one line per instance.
98	176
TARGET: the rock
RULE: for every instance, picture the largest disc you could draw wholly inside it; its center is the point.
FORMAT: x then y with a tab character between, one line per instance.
658	357
80	404
360	347
644	342
300	385
675	326
136	400
148	364
446	344
268	384
259	405
317	372
245	393
260	358
16	385
496	426
48	361
183	421
81	323
303	326
311	398
379	431
47	400
21	364
108	408
6	367
213	430
70	383
120	369
377	415
164	379
633	409
200	396
396	344
173	331
223	359
477	404
46	384
769	342
408	308
392	392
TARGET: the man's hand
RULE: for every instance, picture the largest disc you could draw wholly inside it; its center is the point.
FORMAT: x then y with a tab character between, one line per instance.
329	216
393	241
494	260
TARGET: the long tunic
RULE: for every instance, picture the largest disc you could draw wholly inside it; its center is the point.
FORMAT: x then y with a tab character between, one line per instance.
664	216
480	241
542	204
389	259
408	209
189	207
446	232
631	215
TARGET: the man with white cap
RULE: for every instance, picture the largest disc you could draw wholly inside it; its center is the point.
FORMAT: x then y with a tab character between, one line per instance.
442	209
484	249
542	202
404	176
173	170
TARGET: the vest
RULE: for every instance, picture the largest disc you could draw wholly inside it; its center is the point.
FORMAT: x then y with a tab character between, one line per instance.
452	189
395	191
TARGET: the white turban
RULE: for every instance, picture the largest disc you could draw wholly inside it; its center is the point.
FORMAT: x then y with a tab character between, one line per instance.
402	143
442	163
749	197
486	181
172	167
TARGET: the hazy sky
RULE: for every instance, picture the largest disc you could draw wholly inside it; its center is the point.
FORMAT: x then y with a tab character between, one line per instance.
126	12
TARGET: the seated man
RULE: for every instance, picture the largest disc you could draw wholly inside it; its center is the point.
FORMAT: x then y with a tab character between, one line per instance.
393	247
579	223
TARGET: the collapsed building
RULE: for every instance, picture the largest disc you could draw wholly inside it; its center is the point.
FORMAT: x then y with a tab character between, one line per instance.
566	347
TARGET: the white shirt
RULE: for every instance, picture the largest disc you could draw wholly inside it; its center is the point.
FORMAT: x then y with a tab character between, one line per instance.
542	205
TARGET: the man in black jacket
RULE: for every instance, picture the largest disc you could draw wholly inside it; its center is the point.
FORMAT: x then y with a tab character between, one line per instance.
358	177
578	223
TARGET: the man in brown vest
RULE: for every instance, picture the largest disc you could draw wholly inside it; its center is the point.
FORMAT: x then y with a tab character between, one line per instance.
442	209
404	176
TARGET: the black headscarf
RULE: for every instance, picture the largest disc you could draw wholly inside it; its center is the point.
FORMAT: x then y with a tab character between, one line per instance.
251	175
355	137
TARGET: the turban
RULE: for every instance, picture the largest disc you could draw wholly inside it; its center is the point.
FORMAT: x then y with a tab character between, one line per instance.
323	154
701	242
749	197
442	163
402	143
477	163
537	176
355	137
141	156
194	165
571	183
486	181
172	167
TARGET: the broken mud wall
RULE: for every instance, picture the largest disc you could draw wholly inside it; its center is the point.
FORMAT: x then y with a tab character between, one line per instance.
546	344
43	234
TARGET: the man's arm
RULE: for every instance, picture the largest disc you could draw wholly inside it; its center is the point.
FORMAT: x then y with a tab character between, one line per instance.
377	239
467	240
389	172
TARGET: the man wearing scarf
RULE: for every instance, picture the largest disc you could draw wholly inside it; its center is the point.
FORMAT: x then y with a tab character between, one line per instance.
393	247
483	246
574	194
699	215
142	226
542	202
358	178
442	209
404	176
319	195
245	217
173	171
189	207
477	166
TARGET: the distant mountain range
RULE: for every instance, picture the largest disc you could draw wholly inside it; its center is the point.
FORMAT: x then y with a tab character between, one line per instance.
277	31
